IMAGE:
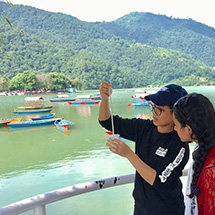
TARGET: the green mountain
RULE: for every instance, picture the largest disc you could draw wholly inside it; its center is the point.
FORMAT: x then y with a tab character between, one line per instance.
54	42
185	35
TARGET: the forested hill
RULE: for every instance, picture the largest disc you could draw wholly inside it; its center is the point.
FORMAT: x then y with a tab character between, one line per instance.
185	35
45	42
57	28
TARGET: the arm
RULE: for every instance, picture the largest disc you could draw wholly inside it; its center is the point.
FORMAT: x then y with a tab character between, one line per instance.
117	146
104	110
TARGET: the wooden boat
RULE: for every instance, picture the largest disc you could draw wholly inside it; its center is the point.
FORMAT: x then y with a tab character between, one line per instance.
96	98
89	97
10	119
65	124
4	123
61	100
139	104
41	117
84	103
32	103
32	111
34	107
32	123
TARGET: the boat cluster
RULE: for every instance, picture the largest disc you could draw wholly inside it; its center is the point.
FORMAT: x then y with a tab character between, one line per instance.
39	115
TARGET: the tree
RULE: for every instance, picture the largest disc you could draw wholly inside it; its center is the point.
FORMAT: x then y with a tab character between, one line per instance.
26	80
77	83
4	82
60	81
45	81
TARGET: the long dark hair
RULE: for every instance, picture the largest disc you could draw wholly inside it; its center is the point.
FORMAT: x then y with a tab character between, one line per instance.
197	111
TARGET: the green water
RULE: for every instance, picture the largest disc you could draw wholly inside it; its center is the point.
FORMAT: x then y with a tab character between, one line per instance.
42	159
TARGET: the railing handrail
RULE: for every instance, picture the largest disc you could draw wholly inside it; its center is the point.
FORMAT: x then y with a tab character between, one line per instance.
38	203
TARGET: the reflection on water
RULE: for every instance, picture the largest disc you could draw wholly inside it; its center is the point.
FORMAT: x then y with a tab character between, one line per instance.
84	110
65	131
42	159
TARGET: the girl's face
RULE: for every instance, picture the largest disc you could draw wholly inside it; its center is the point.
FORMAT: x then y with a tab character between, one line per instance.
184	133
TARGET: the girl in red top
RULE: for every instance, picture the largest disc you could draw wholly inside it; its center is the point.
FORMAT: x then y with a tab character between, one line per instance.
194	119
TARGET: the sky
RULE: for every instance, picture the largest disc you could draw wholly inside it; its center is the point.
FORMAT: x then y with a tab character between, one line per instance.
110	10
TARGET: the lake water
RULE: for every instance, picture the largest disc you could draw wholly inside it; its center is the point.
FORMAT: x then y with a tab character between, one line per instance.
42	159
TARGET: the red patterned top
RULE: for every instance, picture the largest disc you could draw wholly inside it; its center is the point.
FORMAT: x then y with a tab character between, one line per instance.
206	184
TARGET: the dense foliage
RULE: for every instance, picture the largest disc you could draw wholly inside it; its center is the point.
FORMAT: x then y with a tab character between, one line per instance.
185	35
47	44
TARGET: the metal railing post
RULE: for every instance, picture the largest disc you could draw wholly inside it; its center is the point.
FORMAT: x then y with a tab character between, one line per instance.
41	210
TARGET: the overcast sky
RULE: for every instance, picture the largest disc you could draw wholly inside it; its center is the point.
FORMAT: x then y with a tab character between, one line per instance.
108	10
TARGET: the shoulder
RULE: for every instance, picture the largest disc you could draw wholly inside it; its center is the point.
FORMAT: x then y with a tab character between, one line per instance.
135	121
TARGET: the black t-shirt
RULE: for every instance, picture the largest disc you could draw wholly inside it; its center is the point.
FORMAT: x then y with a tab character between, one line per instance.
163	152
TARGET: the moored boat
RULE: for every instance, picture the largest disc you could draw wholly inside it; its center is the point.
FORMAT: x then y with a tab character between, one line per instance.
41	117
89	97
32	111
61	100
62	123
34	107
4	123
10	119
84	103
32	123
32	103
139	104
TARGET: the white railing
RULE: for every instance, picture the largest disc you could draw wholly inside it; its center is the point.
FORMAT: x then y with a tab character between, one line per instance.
38	203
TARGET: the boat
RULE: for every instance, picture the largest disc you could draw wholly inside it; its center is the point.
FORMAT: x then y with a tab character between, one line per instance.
84	103
61	100
32	123
10	119
62	123
4	123
32	103
96	98
139	99
34	107
32	111
41	117
89	97
139	104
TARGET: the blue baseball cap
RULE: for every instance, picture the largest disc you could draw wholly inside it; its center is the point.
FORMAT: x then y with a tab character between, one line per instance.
167	95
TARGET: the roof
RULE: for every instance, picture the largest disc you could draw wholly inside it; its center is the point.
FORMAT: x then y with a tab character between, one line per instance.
28	99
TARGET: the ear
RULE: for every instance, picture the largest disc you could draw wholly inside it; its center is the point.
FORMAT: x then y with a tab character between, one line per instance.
189	129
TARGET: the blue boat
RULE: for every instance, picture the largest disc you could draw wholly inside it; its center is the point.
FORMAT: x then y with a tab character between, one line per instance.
41	117
61	123
32	111
61	100
84	103
32	123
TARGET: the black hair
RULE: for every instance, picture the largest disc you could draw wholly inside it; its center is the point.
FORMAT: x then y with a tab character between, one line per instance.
197	111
